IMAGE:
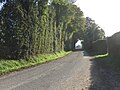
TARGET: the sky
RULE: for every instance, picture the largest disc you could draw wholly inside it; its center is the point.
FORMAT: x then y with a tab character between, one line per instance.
106	13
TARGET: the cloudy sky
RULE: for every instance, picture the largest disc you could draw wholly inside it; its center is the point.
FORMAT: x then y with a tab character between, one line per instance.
106	13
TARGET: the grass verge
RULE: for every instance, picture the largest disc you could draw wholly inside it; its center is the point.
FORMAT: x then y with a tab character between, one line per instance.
7	66
109	61
101	56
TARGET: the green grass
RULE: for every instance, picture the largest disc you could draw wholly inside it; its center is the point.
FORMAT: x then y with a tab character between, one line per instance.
7	66
108	60
100	56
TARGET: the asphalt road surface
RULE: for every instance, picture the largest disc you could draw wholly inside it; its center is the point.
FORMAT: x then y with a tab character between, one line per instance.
71	72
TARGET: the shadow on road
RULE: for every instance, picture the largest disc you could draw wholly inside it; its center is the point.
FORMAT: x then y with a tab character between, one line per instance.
103	76
85	53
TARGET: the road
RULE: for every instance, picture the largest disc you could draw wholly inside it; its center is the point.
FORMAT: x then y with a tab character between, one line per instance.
68	73
76	71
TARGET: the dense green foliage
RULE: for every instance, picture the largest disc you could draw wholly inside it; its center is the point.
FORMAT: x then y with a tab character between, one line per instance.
99	47
75	29
93	33
32	27
113	44
7	66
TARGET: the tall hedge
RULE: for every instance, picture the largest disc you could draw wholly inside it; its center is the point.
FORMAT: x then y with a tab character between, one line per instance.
99	47
32	27
113	44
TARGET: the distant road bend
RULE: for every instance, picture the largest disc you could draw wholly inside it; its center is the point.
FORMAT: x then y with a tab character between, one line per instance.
71	72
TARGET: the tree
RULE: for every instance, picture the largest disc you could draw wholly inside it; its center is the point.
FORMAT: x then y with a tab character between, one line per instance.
93	32
76	28
32	27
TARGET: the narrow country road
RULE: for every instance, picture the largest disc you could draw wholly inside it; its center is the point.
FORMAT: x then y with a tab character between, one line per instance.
76	71
68	73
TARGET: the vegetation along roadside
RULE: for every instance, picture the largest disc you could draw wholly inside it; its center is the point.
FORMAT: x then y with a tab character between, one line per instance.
7	66
112	63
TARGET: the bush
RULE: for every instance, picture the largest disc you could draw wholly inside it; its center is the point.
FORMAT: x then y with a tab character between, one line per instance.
99	47
113	44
